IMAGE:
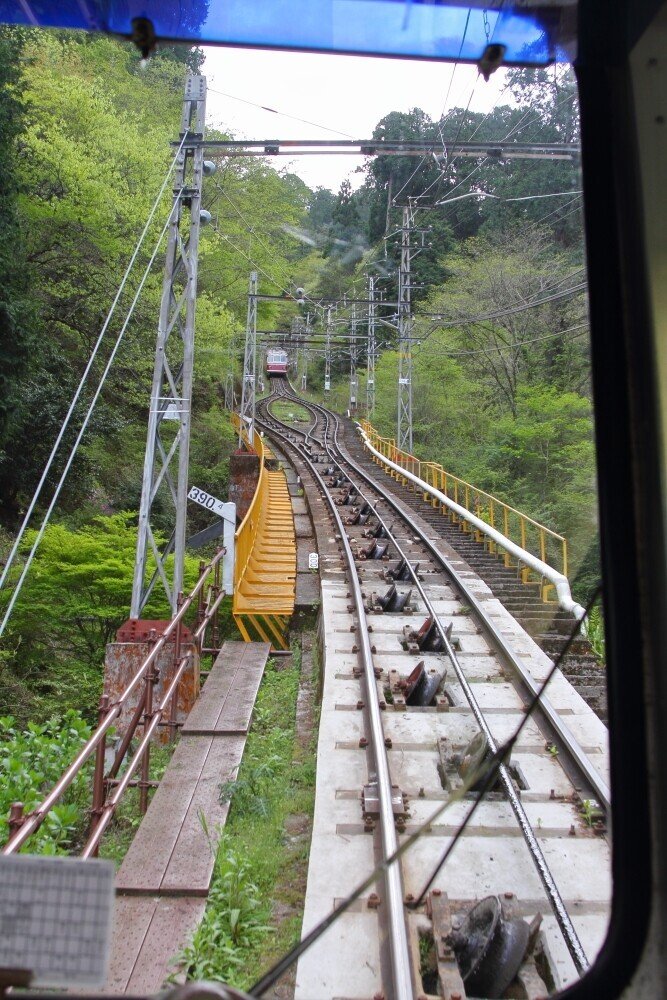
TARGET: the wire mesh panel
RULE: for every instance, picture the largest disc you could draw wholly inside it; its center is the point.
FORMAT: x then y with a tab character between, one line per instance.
56	919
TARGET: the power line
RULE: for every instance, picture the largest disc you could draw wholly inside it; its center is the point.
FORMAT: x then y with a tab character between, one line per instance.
451	80
508	347
281	114
500	314
65	423
253	232
496	197
84	425
256	266
555	211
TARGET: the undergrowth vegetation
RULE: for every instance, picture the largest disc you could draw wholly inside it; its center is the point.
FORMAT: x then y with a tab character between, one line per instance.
75	598
255	904
31	761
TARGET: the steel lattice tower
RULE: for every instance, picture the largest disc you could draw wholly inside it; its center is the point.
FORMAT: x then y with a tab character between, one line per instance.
404	422
166	462
354	393
327	354
370	362
248	397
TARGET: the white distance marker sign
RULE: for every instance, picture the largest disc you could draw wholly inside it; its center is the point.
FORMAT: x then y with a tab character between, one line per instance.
227	511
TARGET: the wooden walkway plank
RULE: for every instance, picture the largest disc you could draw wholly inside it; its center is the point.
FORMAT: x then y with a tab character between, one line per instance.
223	711
191	864
146	861
148	933
131	920
228	697
165	877
172	923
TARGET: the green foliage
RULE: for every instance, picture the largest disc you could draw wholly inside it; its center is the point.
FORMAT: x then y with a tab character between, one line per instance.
16	331
504	403
73	601
31	761
249	794
595	632
590	812
235	921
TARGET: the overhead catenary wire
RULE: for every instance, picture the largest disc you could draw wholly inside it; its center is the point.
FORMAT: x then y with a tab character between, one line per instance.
451	80
86	420
518	127
561	208
496	197
510	347
98	343
252	231
281	114
500	313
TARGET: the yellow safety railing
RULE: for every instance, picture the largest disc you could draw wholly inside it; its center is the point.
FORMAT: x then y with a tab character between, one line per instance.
246	533
265	557
518	527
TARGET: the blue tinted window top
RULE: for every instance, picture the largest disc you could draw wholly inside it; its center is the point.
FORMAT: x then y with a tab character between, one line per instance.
413	28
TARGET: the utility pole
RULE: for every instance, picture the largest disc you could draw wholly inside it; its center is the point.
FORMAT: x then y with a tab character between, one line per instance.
327	354
304	376
229	378
353	361
166	461
404	422
248	397
370	361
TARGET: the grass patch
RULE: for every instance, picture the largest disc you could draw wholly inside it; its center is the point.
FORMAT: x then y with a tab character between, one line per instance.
289	412
255	906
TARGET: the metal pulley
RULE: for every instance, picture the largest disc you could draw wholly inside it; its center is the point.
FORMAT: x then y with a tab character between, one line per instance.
401	571
428	637
373	551
489	949
473	757
392	601
421	685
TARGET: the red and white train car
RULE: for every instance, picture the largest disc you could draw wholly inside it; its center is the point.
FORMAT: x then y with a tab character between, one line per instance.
276	364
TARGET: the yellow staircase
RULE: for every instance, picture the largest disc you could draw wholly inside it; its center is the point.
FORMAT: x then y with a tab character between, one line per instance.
265	567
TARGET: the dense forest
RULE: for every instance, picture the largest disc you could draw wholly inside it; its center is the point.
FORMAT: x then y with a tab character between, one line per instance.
501	388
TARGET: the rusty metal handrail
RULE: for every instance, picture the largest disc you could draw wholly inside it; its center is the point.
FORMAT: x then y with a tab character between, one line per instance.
24	826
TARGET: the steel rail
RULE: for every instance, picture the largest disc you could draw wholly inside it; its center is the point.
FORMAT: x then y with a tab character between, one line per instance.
35	819
579	758
567	928
553	894
398	935
588	772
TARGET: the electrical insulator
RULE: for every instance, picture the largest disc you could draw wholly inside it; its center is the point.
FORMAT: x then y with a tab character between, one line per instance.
209	168
204	217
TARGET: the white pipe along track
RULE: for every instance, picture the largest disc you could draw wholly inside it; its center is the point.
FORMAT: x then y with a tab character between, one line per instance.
560	582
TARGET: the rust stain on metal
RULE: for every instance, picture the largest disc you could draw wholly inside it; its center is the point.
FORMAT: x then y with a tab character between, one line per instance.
123	660
243	477
140	629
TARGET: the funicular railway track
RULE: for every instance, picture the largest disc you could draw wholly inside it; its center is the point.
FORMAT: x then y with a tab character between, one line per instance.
436	668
